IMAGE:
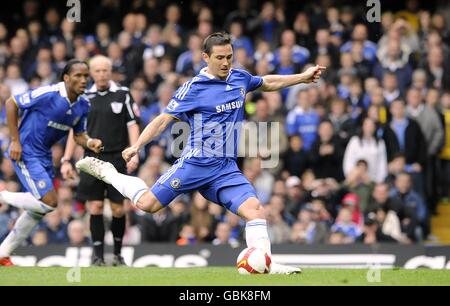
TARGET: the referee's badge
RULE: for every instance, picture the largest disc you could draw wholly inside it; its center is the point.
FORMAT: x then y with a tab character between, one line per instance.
175	183
42	184
116	107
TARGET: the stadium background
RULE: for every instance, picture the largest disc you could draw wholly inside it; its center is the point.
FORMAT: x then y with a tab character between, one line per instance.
319	194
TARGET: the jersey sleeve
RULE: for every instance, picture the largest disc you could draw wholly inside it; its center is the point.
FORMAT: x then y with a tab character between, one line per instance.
130	106
31	99
182	102
253	81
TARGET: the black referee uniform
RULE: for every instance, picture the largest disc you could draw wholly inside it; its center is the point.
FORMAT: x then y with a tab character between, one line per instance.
110	115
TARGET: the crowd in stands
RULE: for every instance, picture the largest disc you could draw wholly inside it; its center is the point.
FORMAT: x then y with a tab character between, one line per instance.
364	153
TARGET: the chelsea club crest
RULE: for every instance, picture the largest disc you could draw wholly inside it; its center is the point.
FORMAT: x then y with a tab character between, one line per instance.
175	183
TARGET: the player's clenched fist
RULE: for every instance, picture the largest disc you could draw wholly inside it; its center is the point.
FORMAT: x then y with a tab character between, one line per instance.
94	145
313	74
128	153
15	150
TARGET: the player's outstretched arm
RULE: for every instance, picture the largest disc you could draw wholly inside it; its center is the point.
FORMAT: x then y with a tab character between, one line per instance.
15	149
275	82
153	129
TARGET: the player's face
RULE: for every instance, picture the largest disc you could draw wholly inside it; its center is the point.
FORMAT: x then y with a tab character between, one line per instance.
78	79
219	62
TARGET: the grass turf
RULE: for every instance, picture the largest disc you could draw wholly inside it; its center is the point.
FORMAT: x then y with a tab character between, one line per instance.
216	276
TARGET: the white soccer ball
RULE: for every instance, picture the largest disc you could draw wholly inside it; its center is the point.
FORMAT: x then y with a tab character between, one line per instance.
253	261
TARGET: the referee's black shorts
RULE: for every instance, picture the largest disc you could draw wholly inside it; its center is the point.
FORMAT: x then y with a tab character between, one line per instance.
92	189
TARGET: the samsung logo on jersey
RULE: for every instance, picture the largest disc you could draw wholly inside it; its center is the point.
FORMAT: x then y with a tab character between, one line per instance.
59	126
229	106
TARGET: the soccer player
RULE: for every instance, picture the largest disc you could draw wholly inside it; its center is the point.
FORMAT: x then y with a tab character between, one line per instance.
210	102
111	118
49	112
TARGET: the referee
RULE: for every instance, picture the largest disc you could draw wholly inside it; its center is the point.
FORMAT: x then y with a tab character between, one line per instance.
111	118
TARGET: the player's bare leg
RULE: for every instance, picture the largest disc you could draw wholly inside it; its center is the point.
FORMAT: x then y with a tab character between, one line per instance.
35	210
129	186
256	233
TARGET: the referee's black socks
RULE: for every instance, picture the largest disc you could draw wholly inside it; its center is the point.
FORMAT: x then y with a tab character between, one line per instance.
118	230
97	227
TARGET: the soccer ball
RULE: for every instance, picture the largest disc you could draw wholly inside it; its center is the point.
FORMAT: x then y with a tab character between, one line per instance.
253	261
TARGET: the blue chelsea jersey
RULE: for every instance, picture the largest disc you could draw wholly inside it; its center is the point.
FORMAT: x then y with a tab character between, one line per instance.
47	117
214	109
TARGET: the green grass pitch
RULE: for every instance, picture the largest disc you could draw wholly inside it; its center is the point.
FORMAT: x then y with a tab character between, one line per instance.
216	276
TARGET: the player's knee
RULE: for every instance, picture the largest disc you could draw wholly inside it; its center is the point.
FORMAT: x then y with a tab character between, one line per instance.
148	203
50	199
251	209
95	207
117	210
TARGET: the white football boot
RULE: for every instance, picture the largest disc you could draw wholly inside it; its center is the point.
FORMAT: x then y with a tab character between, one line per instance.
283	269
97	168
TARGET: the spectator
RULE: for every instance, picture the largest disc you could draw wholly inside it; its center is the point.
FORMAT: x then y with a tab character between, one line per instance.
359	182
296	160
278	229
367	146
239	39
432	129
415	206
39	238
57	231
268	24
359	34
201	219
327	153
325	46
159	227
185	61
345	225
222	236
14	80
303	120
403	135
306	231
187	236
372	233
77	234
295	195
380	199
394	60
444	155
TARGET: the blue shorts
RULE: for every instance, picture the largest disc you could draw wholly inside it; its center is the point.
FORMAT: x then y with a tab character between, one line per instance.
220	182
35	174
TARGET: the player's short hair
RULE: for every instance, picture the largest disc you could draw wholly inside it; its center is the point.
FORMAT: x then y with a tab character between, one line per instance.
216	39
68	68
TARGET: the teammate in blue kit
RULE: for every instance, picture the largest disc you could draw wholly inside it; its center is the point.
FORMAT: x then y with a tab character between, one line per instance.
49	112
213	104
